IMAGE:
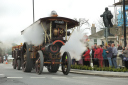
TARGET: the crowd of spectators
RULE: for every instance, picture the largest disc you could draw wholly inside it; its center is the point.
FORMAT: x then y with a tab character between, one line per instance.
104	56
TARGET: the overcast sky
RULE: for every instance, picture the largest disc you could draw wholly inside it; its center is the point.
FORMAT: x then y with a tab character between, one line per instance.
16	15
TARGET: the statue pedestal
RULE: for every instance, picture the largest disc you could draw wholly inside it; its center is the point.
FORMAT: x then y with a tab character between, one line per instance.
111	39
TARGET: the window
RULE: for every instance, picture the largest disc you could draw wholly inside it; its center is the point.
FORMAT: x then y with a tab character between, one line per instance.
95	41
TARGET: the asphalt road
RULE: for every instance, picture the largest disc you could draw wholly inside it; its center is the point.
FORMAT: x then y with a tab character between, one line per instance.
9	76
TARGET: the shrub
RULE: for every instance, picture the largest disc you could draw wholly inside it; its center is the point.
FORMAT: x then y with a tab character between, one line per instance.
90	68
114	70
103	69
99	68
119	70
110	69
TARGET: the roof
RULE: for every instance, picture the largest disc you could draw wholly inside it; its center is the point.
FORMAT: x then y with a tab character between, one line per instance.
71	23
99	34
121	3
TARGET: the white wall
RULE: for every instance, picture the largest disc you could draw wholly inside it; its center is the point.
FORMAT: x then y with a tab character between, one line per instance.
91	42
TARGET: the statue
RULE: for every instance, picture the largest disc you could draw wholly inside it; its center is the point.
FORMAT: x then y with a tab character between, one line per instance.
107	16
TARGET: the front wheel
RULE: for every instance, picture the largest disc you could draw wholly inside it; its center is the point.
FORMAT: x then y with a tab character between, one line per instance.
66	63
39	62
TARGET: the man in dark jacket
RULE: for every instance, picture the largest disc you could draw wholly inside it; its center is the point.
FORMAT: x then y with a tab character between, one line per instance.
119	47
109	54
114	52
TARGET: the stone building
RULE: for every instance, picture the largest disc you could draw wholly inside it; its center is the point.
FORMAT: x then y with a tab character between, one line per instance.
95	37
118	38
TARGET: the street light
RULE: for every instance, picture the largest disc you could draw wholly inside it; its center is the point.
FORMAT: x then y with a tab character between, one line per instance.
124	23
33	12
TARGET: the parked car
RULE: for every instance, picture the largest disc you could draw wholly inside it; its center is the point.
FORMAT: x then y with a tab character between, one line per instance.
10	58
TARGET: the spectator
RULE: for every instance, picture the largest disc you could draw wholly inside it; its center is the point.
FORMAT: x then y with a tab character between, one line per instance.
114	55
83	57
97	56
92	53
73	61
87	57
101	57
125	55
105	60
95	46
122	54
119	47
109	54
123	48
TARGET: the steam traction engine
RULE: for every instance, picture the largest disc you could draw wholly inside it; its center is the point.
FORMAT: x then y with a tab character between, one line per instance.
17	55
48	53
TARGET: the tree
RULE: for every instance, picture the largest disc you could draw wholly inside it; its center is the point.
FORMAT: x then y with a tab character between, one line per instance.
82	21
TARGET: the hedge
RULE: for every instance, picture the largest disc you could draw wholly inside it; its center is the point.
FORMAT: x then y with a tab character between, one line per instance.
95	68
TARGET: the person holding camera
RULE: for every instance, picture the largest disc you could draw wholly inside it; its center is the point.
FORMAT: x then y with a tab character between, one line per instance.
114	55
109	54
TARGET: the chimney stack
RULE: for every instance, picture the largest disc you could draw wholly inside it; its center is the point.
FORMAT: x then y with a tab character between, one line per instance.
93	29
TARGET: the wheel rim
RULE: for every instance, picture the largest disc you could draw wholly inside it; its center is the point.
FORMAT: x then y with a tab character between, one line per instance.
24	66
66	63
39	62
38	66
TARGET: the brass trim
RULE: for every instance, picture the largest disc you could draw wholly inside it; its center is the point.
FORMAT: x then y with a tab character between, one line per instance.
45	32
50	29
66	32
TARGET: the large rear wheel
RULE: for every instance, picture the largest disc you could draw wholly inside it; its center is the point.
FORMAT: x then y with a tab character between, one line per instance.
39	62
27	61
66	63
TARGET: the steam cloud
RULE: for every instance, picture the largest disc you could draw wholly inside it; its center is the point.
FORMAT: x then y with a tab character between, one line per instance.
34	34
4	45
74	46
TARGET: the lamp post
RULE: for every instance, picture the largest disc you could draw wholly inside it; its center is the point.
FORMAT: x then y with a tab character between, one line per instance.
33	12
124	18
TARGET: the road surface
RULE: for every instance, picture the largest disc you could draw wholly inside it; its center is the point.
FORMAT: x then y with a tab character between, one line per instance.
9	76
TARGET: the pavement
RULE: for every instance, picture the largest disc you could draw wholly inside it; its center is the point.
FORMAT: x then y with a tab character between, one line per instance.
99	73
10	76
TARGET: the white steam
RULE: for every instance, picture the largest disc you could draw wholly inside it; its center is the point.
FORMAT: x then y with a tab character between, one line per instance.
34	34
5	45
74	46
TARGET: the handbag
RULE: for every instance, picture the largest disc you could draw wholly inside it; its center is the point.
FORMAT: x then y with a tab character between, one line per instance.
96	59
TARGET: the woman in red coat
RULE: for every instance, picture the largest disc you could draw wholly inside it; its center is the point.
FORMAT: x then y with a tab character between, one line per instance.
98	54
86	56
101	57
